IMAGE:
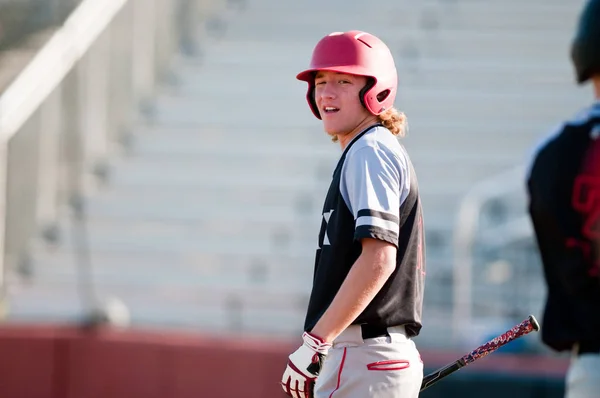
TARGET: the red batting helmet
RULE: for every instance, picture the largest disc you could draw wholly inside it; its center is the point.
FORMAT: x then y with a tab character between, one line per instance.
355	53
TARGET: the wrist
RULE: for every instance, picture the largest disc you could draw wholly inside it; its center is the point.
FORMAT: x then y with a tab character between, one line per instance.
322	334
317	336
316	342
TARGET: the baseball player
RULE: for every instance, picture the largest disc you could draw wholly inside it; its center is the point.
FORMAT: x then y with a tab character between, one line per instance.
367	293
564	205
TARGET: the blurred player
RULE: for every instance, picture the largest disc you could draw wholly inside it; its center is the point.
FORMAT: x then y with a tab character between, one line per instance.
367	293
564	205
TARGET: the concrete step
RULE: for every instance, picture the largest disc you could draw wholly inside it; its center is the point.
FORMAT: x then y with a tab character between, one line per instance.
279	234
215	244
248	164
312	148
214	78
387	13
484	76
222	260
264	53
171	307
210	138
169	275
317	150
201	111
510	147
225	197
284	232
221	204
176	111
423	25
123	234
134	212
215	235
507	97
457	165
419	87
217	180
191	213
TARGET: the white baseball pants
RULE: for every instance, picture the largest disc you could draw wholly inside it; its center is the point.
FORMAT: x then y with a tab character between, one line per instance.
381	367
583	377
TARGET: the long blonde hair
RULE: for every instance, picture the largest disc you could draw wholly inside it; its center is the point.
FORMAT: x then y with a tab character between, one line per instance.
394	120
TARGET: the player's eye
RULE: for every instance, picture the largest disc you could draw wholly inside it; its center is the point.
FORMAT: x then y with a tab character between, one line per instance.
345	82
319	83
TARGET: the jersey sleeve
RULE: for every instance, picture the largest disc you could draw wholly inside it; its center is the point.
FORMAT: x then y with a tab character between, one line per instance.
371	185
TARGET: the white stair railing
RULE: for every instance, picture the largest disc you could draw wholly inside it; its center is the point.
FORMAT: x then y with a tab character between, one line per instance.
62	116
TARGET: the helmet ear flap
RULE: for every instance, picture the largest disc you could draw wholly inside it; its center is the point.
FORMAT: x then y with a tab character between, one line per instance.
363	92
380	96
312	101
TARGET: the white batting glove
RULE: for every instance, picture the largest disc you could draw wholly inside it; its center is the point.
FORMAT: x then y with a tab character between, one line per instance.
303	367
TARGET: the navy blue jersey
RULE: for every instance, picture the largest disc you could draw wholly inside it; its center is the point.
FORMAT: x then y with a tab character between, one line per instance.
564	205
373	194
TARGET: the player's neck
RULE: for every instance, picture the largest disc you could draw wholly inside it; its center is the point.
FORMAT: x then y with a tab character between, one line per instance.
345	139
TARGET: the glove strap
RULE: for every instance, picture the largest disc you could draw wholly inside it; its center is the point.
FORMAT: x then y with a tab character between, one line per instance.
316	343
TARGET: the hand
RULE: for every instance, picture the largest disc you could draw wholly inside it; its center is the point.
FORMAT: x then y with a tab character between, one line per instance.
303	367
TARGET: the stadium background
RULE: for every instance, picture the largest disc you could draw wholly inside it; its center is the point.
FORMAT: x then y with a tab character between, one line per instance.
162	178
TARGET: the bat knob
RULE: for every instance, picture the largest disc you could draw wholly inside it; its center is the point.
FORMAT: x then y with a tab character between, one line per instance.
534	323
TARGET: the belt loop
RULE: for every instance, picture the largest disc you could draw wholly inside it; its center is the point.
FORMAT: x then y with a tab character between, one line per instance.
394	337
398	334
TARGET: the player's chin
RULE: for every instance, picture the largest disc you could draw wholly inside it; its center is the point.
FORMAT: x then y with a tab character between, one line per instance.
332	129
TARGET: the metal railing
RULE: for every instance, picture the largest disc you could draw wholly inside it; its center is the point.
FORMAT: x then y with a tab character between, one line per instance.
491	217
66	112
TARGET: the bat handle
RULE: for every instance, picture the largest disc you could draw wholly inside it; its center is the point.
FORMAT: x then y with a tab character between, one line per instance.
441	373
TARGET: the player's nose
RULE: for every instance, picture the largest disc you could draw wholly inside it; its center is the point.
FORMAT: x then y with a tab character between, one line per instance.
327	92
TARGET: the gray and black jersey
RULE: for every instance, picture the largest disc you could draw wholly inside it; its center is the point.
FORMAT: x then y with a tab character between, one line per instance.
373	194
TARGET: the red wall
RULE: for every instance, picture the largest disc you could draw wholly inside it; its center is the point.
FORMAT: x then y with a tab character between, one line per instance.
62	362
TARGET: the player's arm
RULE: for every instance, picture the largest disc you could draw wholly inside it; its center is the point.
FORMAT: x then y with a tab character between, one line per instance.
368	275
371	186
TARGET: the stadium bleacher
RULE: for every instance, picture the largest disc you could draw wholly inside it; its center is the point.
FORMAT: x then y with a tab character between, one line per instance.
209	214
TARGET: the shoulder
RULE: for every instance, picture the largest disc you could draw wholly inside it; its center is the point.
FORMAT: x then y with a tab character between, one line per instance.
378	144
550	143
547	141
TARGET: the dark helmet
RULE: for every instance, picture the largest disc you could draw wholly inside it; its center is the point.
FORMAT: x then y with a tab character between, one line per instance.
585	48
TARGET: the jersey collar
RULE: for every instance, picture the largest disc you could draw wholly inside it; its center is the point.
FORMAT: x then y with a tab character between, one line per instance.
352	142
360	135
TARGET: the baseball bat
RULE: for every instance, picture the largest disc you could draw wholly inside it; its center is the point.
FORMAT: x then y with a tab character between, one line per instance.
527	326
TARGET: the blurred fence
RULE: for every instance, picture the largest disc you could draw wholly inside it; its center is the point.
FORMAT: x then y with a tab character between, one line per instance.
70	108
497	271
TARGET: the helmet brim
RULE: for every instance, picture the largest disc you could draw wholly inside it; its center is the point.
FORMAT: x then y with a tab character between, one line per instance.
308	75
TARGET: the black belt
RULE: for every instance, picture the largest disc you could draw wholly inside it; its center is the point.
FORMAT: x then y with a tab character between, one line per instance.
372	331
588	348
